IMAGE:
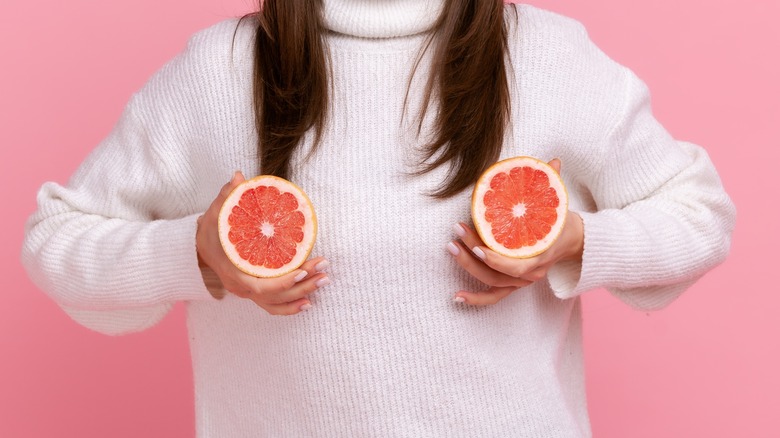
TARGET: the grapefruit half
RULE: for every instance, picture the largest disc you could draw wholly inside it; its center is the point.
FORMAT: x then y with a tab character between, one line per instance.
267	226
519	207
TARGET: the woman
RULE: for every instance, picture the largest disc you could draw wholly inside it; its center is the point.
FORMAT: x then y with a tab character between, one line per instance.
385	113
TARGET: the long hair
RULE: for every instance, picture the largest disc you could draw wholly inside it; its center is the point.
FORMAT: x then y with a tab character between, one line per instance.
468	79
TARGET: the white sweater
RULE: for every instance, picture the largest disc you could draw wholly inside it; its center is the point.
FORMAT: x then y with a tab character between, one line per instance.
384	352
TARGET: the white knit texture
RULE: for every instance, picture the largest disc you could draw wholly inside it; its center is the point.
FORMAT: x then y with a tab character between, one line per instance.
381	18
384	352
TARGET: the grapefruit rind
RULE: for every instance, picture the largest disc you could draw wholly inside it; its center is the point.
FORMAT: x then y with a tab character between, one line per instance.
303	248
478	208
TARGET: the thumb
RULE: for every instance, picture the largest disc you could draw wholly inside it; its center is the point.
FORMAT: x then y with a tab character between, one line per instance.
555	163
237	179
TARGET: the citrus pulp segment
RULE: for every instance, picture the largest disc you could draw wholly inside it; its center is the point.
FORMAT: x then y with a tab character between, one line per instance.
267	226
519	206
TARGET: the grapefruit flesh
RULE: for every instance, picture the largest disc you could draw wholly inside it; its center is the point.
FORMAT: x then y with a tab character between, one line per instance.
519	207
267	226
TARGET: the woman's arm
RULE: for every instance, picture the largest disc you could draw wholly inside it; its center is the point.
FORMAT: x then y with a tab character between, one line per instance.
114	247
654	214
663	218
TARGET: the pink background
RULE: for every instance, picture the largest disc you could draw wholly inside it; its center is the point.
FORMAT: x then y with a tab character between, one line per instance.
705	366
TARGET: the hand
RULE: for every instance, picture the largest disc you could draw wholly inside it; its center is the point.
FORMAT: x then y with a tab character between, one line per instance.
505	275
285	295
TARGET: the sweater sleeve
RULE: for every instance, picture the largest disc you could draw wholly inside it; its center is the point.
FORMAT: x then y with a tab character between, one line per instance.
662	218
115	247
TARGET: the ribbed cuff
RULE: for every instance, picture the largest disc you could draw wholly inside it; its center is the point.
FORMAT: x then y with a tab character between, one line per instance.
176	271
602	256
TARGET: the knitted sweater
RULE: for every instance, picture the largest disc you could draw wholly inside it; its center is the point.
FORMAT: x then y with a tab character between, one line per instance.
384	351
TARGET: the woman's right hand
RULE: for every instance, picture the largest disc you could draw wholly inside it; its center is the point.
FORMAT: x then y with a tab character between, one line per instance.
285	295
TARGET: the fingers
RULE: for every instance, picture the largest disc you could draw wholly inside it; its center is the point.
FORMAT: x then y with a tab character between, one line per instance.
287	309
285	295
526	269
486	298
298	290
503	274
479	270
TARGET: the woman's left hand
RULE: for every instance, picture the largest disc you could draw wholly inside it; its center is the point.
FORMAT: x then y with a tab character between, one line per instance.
505	275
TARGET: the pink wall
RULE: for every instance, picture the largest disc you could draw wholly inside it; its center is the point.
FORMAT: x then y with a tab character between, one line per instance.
706	366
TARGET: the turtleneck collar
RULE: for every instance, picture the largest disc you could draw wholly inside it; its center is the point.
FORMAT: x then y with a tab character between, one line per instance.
381	18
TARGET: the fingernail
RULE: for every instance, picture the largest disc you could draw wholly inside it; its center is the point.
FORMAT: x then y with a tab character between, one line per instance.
459	300
301	275
478	252
305	307
321	266
458	229
324	281
453	249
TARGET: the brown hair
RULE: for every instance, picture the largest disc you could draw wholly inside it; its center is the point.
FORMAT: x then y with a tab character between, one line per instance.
468	79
